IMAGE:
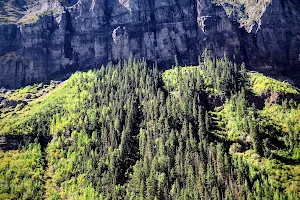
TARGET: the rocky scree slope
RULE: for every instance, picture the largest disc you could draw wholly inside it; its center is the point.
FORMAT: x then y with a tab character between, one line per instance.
40	39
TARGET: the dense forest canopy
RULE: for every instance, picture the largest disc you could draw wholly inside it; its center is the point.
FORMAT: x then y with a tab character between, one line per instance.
131	131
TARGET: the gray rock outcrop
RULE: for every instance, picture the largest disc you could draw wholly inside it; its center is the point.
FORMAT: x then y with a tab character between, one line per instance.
56	38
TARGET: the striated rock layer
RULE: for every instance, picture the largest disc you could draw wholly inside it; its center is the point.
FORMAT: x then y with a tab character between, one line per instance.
56	38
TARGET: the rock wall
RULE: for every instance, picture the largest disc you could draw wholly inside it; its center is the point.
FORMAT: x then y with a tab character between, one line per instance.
55	38
276	43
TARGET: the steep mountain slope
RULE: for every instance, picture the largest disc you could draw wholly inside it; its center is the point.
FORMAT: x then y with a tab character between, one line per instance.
12	10
54	37
212	131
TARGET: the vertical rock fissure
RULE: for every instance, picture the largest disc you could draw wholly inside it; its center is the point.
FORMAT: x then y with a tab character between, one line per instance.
51	27
153	24
68	50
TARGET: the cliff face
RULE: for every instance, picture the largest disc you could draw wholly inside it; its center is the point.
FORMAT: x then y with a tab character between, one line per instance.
54	37
277	40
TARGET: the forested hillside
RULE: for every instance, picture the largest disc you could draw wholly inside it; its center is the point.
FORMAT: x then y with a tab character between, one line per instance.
131	131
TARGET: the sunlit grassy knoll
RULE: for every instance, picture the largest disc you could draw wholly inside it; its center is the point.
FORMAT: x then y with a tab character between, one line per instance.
262	84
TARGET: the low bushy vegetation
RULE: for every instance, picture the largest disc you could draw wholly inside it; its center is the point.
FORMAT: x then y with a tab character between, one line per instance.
21	173
262	85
